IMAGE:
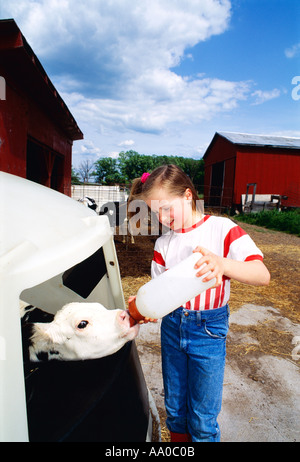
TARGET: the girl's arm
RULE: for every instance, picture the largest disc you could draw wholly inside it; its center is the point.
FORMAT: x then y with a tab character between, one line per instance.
250	272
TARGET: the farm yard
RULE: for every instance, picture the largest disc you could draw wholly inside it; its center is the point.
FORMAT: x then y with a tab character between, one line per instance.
248	344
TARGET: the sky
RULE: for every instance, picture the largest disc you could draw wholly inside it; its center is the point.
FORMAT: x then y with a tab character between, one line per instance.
163	76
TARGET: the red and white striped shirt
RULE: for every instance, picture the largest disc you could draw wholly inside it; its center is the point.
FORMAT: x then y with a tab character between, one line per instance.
217	234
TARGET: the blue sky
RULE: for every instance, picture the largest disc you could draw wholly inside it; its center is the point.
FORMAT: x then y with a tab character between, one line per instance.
162	76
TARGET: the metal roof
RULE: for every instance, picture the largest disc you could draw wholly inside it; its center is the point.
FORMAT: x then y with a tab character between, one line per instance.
261	140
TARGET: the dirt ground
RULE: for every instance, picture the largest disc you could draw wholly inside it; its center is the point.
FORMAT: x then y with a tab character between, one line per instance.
281	256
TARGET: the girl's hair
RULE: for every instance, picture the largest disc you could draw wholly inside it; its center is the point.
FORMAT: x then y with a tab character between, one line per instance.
169	177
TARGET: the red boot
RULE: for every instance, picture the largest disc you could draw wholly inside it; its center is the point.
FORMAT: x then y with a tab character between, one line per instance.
180	437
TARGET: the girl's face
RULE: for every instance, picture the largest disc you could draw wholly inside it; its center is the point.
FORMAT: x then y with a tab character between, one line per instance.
174	212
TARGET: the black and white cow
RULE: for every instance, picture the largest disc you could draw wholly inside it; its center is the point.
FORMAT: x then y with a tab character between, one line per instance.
89	202
76	332
115	211
118	217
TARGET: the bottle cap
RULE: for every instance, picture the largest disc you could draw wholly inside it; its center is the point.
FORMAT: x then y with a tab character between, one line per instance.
135	315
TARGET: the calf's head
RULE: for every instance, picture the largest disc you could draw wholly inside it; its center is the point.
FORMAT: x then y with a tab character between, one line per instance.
82	331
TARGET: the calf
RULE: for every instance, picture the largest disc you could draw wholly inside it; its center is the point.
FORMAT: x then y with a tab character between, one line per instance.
78	331
117	215
115	211
89	202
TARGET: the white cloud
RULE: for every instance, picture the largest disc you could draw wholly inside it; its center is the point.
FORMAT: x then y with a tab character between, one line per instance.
293	51
112	63
126	143
263	96
122	31
159	103
88	147
85	150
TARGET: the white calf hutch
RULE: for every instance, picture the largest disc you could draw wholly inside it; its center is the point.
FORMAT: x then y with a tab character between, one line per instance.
54	251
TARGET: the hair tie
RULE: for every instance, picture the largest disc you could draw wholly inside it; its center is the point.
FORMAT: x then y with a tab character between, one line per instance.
144	177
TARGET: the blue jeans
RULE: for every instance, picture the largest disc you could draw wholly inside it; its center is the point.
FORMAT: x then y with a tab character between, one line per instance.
193	360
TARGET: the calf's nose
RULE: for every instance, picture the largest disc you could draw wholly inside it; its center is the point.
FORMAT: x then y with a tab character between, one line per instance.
122	318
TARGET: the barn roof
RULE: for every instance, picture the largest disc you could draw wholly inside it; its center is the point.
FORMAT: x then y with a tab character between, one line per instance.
262	140
15	55
248	139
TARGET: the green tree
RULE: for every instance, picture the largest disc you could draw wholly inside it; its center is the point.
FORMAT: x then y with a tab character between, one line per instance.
133	165
194	169
107	171
75	177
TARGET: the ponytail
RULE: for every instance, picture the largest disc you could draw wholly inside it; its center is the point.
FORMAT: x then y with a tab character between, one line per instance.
136	190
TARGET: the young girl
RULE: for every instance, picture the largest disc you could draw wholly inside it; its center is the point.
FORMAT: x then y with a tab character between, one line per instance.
193	337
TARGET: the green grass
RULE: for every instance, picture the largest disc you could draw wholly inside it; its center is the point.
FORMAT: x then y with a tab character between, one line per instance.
286	221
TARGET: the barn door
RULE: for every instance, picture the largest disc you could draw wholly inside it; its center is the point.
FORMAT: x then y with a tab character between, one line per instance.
216	184
44	166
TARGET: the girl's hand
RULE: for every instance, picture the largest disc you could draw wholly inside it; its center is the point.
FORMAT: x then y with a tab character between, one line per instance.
145	320
212	263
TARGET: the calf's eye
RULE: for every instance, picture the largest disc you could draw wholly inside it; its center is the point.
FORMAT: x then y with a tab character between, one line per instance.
82	324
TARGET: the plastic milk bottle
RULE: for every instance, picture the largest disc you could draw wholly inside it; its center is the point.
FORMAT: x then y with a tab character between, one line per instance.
169	291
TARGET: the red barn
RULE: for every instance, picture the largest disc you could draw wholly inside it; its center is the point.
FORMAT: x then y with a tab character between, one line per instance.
37	129
233	160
